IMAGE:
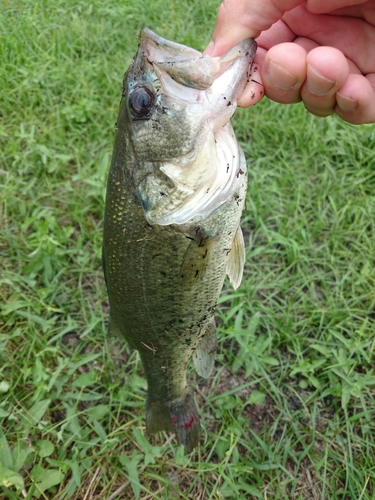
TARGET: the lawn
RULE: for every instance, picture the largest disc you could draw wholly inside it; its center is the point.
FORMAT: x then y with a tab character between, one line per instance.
289	412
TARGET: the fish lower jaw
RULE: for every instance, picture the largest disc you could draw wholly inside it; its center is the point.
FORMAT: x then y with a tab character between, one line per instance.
203	185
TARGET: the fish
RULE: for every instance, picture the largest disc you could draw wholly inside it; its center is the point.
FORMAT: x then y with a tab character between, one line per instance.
175	193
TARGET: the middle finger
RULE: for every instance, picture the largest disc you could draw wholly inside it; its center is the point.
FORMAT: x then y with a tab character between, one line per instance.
327	70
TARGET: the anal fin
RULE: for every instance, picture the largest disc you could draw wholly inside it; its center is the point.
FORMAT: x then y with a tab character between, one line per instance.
205	354
236	261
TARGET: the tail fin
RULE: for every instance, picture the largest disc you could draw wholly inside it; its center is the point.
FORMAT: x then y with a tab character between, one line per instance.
179	416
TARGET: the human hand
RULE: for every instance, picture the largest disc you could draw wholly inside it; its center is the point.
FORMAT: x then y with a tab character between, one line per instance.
319	51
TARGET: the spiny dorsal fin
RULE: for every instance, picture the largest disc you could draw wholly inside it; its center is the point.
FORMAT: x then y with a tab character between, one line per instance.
205	354
236	261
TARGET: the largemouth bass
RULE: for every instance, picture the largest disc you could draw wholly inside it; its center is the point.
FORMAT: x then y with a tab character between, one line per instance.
175	194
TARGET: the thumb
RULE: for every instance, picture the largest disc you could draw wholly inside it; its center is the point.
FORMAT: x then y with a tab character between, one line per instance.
240	19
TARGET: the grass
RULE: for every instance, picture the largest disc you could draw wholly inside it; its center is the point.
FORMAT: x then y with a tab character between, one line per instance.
289	412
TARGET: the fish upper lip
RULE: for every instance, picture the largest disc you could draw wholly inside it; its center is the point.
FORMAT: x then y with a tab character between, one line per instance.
244	50
189	66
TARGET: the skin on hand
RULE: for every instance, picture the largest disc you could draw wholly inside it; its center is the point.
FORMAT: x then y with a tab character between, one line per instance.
321	52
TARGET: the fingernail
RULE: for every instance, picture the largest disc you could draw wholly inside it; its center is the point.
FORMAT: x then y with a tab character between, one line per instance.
345	103
280	77
209	50
317	83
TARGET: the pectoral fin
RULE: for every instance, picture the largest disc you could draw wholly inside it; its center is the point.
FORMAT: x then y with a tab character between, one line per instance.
236	260
204	356
195	261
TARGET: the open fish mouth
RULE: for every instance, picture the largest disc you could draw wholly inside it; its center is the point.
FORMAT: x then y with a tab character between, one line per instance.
206	90
190	67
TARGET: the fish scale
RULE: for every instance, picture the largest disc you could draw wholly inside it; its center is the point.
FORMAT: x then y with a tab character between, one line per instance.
164	279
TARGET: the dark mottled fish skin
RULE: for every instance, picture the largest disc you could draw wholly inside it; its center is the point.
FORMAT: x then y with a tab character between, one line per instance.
164	280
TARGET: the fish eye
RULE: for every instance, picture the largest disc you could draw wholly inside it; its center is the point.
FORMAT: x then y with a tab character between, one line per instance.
141	102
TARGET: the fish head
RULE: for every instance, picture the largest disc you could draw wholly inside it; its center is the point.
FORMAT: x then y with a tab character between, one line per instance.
176	104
